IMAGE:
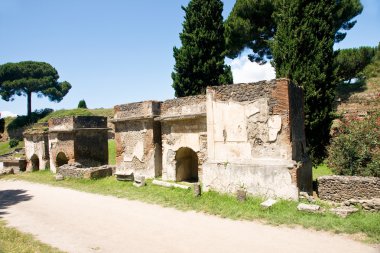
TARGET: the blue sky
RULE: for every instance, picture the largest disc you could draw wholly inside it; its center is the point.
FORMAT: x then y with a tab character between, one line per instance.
118	51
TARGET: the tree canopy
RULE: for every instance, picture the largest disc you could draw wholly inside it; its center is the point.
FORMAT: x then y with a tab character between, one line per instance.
200	61
25	78
350	63
82	104
299	36
252	25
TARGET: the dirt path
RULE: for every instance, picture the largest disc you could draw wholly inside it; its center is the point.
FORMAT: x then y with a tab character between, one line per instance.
81	222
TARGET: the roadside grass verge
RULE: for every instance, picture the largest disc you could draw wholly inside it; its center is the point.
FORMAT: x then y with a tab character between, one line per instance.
321	170
111	152
284	212
14	241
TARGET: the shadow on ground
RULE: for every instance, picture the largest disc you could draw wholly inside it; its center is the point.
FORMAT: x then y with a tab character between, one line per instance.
12	197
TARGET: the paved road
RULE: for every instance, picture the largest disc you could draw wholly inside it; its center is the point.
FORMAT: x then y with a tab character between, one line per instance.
81	222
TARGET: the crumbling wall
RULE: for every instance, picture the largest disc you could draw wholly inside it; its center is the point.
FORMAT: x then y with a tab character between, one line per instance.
80	139
91	147
138	138
249	129
61	142
36	144
342	188
184	125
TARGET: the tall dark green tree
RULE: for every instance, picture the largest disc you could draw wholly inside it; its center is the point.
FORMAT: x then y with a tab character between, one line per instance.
25	78
299	35
200	61
303	52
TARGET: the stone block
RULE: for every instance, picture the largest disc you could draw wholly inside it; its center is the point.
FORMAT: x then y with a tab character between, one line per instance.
344	211
268	203
308	208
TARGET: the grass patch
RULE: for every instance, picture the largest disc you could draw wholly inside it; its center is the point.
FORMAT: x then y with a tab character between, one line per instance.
321	170
13	241
5	149
111	152
285	212
78	112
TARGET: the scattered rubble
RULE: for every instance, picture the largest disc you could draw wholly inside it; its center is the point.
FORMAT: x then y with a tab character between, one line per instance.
139	181
268	203
344	211
75	170
308	208
367	204
169	185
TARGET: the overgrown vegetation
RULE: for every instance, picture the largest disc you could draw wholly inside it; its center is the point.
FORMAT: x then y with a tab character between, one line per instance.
13	241
6	149
13	143
111	152
285	212
355	151
22	121
321	170
78	112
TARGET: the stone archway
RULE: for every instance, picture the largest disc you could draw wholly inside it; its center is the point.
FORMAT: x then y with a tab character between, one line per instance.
35	162
61	159
186	165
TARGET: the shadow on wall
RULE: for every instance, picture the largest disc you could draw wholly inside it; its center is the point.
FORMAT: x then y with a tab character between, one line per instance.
12	197
35	162
186	165
61	159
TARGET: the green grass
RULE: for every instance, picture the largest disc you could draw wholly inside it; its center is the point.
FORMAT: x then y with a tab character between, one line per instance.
5	149
285	212
13	241
321	170
111	152
78	112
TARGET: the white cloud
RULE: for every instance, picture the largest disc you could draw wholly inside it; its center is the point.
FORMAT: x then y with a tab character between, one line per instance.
245	71
5	114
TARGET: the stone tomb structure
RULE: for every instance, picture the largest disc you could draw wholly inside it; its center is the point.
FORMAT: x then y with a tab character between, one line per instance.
248	136
138	139
184	138
81	139
36	141
256	140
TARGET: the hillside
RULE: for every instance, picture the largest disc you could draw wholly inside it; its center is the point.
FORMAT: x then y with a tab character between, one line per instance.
361	97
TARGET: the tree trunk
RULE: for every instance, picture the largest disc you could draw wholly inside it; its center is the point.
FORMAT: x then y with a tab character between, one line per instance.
29	103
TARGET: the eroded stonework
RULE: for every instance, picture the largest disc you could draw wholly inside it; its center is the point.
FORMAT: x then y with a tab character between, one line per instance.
247	136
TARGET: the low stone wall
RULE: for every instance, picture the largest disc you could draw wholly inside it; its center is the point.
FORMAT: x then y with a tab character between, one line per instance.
342	188
68	171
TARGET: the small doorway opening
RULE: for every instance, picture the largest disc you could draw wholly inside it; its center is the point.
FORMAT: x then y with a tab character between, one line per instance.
35	162
61	159
186	165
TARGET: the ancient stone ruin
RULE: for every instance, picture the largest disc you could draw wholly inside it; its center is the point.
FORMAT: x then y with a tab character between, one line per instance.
242	136
237	137
79	139
36	141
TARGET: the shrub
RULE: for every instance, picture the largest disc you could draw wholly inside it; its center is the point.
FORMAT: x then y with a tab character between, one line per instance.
13	143
22	121
82	104
355	151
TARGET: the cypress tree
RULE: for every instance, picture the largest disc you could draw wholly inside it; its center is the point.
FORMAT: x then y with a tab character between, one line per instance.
303	52
200	61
